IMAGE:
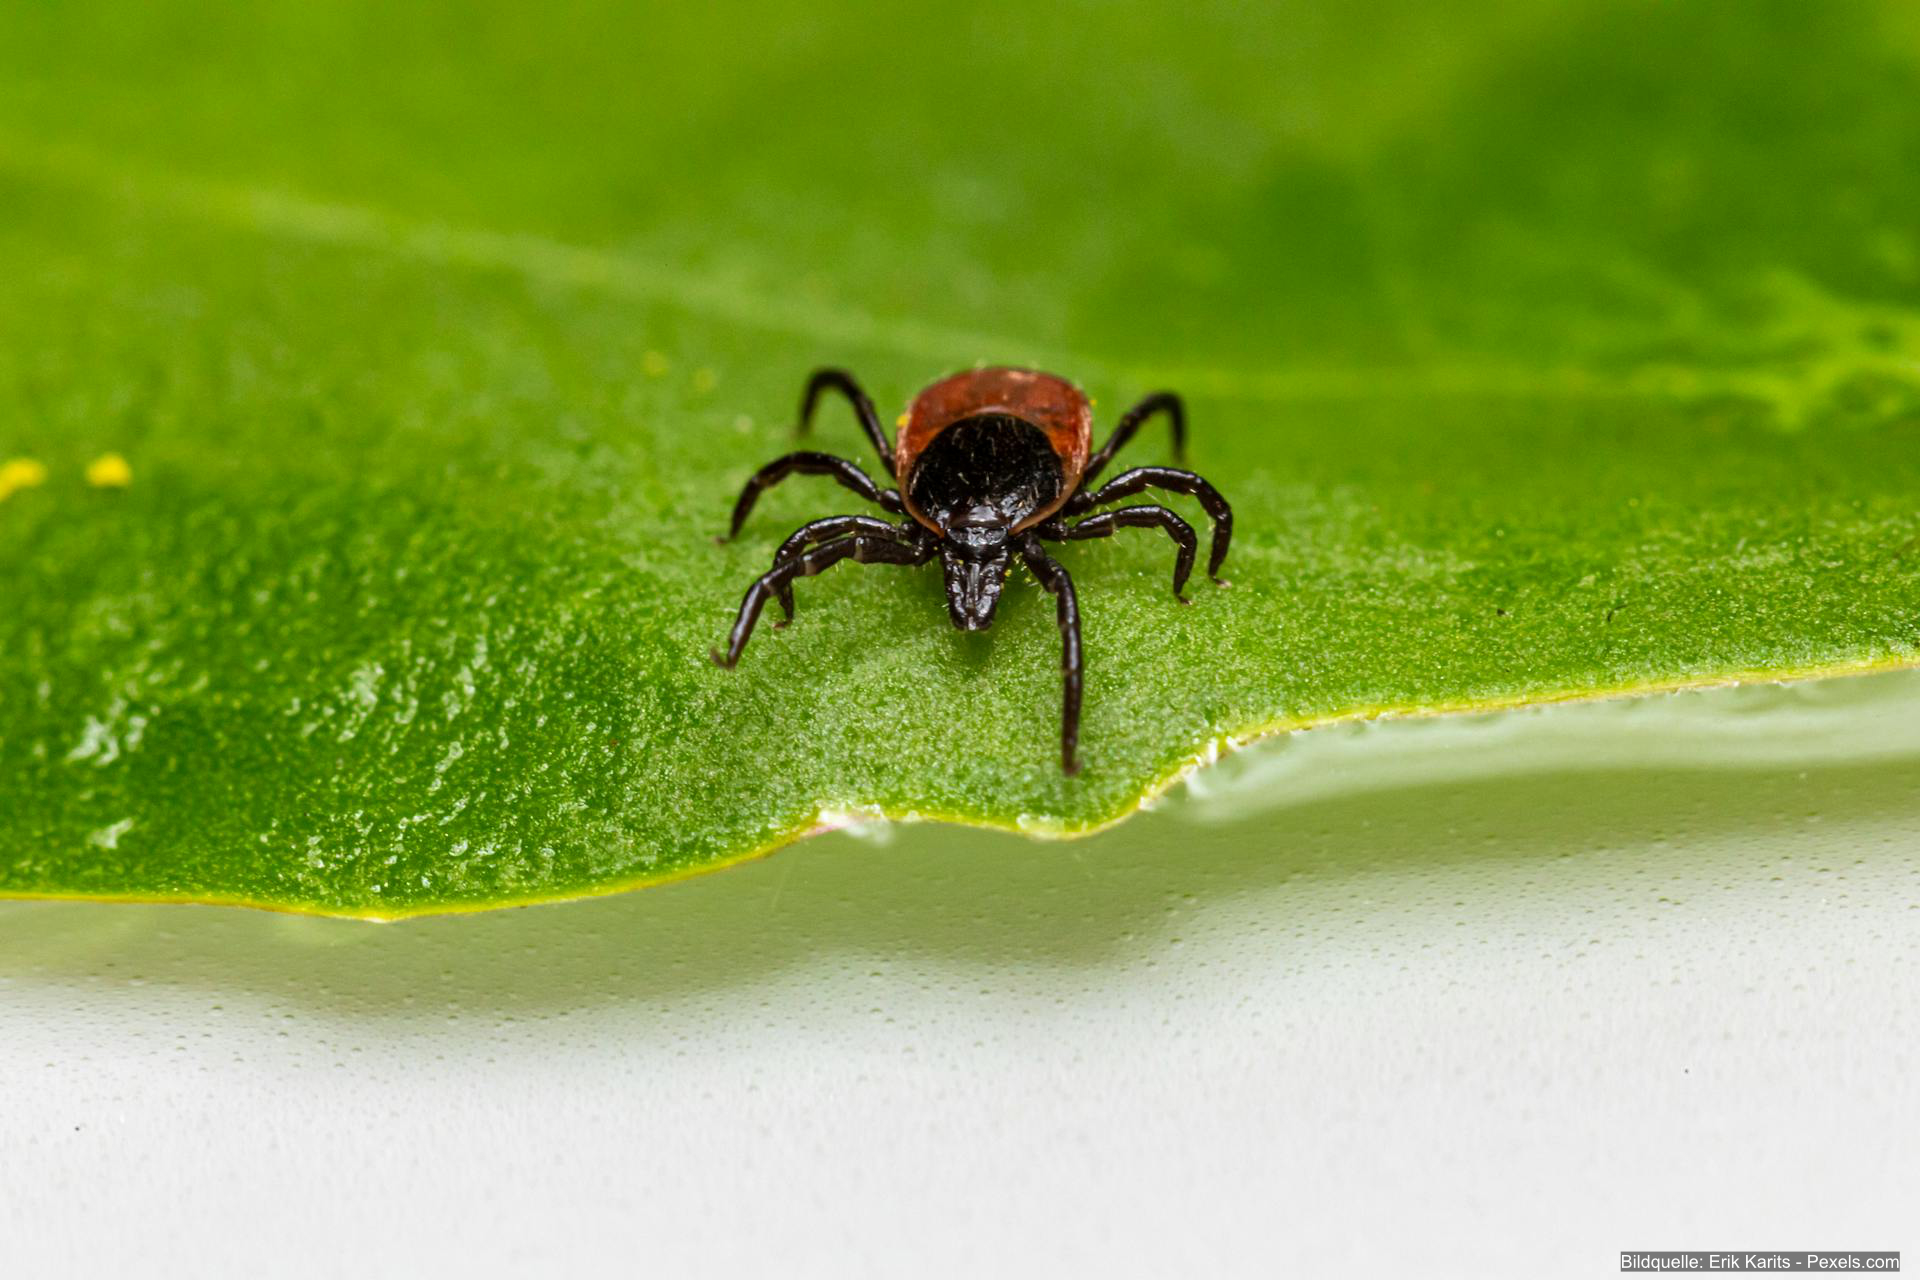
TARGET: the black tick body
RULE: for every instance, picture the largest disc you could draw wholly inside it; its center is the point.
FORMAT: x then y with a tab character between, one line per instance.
989	463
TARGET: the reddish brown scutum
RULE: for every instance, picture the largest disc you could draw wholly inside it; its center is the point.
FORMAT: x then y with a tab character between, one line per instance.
1049	402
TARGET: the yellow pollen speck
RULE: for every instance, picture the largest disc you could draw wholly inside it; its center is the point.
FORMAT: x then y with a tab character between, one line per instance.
901	422
704	379
20	473
653	364
109	471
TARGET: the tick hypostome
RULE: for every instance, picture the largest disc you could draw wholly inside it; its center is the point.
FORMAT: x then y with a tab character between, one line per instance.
988	463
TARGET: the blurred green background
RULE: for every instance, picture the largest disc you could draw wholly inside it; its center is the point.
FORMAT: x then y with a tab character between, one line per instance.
1368	185
1545	349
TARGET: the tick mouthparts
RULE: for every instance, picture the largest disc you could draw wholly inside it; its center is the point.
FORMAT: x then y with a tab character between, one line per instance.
973	590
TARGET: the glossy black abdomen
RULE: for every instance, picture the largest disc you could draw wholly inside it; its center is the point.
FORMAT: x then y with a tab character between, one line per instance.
989	470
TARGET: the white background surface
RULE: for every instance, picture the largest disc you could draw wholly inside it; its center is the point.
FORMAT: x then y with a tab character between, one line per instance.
1492	997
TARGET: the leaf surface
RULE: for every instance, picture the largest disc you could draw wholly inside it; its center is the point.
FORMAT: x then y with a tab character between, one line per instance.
1544	350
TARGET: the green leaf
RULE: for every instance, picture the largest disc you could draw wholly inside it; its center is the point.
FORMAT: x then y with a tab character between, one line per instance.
1545	350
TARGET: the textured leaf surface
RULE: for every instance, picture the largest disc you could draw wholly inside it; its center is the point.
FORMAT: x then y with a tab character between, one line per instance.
1545	350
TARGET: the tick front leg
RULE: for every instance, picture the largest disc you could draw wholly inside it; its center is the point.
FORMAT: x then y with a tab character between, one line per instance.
1108	523
846	472
860	547
842	381
826	530
1053	576
1132	420
1174	480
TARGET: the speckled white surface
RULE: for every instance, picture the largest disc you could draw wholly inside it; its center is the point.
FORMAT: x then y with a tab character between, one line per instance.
1492	997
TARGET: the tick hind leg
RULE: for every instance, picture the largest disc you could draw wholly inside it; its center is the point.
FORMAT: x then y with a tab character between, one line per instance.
1174	480
860	547
846	472
842	381
1053	576
825	530
1108	523
1130	423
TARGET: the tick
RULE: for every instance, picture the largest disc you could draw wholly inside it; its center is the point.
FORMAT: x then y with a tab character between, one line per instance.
990	464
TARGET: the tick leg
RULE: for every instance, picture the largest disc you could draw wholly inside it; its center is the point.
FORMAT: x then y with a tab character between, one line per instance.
842	381
1130	422
815	531
1108	523
1054	578
1140	479
861	547
810	464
